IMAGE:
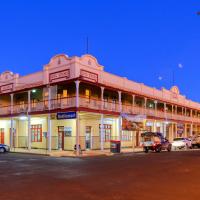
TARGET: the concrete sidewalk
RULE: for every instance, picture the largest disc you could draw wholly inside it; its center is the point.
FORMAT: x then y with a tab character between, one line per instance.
58	153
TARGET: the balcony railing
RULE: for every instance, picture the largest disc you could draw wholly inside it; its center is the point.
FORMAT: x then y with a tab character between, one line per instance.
95	104
135	110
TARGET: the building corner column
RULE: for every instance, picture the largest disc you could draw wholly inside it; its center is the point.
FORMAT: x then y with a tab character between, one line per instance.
164	129
11	134
29	120
11	120
49	97
120	117
29	132
77	82
102	121
191	129
49	133
77	93
102	132
102	98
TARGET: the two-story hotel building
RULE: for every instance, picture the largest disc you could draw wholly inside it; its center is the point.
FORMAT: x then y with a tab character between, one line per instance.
74	101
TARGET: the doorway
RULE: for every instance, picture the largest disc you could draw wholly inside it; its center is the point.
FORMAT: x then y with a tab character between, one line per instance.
61	137
137	138
88	137
2	136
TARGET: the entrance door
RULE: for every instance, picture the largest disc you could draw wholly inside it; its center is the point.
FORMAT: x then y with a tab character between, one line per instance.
61	137
137	138
1	135
88	137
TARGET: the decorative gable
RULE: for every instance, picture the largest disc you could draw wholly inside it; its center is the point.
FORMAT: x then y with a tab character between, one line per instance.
57	61
90	61
175	90
6	76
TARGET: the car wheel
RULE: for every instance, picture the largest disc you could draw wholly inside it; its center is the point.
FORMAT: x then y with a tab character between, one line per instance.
146	150
2	150
169	148
158	149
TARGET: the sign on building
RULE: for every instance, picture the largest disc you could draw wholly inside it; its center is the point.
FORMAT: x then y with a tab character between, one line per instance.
59	76
66	115
90	76
6	88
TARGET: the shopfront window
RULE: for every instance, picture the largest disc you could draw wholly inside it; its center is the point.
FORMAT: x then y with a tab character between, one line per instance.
107	131
36	133
127	135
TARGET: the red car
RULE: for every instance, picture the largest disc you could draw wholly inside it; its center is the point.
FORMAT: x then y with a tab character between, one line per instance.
155	142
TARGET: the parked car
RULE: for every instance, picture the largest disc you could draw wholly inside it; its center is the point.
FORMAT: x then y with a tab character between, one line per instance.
196	141
4	148
155	142
181	143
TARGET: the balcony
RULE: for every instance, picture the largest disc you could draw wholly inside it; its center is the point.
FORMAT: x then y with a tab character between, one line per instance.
136	110
95	104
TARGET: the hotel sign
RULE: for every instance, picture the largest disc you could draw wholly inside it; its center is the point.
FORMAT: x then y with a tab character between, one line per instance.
90	76
59	76
66	115
6	88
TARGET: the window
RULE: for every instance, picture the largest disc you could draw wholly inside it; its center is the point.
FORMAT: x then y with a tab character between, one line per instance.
105	102
126	136
64	93
87	93
33	103
107	130
36	133
21	105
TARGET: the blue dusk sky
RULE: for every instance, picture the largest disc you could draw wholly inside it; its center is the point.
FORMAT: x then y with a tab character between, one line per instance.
143	40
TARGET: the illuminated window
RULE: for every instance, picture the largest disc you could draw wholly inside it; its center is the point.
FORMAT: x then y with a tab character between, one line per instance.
64	93
21	104
33	103
36	133
87	93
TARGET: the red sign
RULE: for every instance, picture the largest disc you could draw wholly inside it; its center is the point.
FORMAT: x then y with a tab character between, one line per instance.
6	88
59	76
89	76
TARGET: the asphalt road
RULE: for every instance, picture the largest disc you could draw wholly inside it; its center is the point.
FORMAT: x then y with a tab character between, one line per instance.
166	176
